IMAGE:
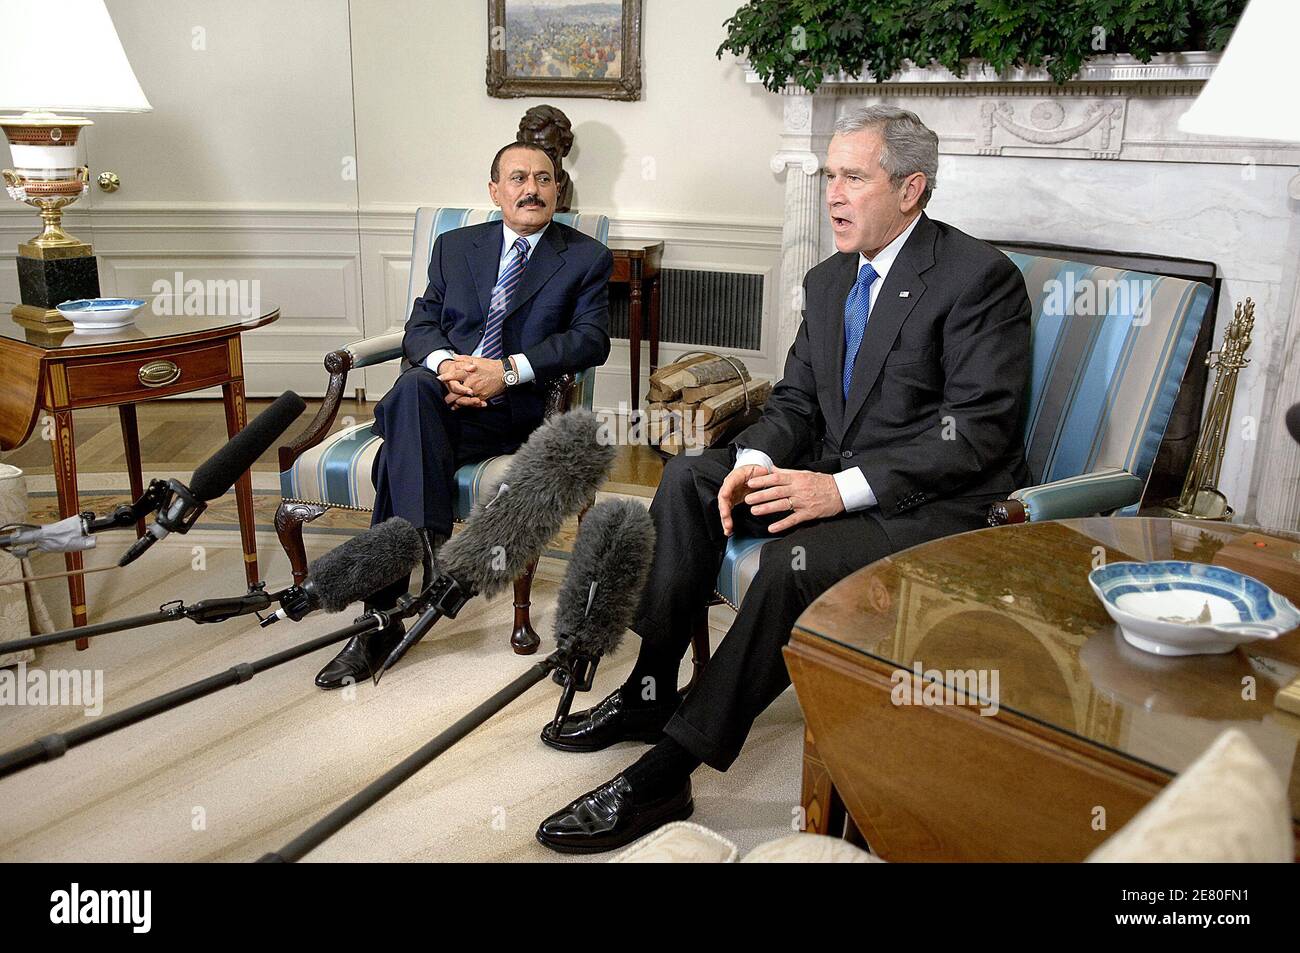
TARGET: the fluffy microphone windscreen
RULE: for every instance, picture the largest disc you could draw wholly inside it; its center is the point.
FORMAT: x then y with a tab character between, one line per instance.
614	549
550	478
220	471
366	563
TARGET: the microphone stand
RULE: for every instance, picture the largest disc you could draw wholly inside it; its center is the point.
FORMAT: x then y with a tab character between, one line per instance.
208	610
55	746
443	596
575	676
329	825
156	495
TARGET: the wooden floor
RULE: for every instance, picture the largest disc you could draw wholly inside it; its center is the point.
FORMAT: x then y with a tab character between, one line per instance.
177	435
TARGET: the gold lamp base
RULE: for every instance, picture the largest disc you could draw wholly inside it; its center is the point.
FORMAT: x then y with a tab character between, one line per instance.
54	266
33	315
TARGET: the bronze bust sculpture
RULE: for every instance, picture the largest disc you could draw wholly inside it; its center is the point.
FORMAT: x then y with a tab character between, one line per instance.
549	128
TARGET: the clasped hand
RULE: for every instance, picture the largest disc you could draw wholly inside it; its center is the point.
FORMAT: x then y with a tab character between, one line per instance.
801	494
471	381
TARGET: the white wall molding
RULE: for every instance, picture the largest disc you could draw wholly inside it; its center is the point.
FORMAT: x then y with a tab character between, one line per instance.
340	274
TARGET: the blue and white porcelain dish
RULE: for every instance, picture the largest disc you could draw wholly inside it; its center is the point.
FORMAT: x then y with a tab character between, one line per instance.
101	314
1183	608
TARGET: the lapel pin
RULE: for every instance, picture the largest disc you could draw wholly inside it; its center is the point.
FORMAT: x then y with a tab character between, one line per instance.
904	294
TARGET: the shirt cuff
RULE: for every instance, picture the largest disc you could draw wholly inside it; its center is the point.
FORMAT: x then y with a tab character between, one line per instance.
524	368
854	489
437	357
747	455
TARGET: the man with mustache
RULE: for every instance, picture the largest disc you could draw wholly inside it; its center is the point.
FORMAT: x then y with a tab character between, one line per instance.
510	306
897	421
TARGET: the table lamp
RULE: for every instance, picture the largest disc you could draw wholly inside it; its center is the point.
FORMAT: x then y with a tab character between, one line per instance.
58	59
1250	95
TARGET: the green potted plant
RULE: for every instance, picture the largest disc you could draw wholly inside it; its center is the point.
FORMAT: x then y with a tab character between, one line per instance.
806	41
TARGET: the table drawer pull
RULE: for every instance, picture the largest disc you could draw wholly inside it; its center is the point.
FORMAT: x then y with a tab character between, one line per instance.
159	374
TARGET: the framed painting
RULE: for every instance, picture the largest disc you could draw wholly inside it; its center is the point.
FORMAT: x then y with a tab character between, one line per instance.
579	48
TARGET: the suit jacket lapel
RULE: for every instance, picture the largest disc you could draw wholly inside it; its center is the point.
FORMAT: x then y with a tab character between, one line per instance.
484	262
889	313
545	261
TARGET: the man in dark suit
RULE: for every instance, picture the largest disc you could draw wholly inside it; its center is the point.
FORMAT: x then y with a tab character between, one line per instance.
510	306
897	421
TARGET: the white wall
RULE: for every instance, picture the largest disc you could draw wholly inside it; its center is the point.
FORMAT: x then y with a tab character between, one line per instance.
252	105
697	143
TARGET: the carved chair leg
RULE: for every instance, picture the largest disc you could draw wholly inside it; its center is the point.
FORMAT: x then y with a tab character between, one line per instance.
699	647
523	639
289	518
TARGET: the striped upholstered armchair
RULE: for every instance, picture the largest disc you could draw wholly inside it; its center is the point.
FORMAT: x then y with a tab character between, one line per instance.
320	470
1101	392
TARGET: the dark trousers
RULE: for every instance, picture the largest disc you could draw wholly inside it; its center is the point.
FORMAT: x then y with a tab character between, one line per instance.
425	442
747	671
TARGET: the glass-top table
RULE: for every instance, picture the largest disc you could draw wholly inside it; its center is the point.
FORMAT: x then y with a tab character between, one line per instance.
1014	603
163	316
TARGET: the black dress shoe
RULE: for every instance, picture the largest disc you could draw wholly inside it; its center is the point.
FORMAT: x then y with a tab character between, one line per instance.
609	817
361	657
610	722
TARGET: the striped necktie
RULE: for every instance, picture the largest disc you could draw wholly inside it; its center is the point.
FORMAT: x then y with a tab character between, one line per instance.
505	287
856	307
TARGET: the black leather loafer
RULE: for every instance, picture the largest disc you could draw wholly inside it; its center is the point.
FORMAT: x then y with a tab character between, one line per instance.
608	818
360	657
610	722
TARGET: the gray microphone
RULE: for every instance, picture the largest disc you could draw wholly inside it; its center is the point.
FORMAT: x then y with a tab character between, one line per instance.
551	477
600	593
358	568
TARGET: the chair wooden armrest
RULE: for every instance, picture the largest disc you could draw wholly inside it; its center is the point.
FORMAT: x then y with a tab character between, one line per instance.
369	351
338	363
1006	511
559	394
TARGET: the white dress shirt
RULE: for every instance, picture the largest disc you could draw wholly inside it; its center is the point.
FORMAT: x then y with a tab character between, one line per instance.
854	489
508	239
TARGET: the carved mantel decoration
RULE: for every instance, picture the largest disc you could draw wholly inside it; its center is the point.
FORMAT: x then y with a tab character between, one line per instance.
1096	129
1159	190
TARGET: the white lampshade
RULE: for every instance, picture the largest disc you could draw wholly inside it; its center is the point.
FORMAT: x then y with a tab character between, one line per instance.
1251	94
64	56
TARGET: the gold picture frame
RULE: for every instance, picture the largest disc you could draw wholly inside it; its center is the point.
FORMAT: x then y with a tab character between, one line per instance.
564	48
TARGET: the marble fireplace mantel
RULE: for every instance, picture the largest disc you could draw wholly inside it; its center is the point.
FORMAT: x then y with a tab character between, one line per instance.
1098	163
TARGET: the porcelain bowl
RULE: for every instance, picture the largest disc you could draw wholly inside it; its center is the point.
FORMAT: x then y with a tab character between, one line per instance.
1183	608
100	314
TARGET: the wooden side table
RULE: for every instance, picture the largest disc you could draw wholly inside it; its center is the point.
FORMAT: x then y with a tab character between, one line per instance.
60	370
637	265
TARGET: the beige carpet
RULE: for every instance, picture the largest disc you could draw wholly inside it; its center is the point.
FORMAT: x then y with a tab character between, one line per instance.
241	772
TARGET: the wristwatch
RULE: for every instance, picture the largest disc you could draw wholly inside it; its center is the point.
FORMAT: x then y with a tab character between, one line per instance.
511	375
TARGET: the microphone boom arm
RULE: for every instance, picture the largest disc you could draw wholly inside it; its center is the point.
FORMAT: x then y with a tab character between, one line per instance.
386	783
207	610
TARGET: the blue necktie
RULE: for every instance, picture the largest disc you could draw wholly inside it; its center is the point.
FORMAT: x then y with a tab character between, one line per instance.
505	286
856	307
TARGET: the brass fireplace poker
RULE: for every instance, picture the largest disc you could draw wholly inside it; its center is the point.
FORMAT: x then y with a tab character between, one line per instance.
1201	498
